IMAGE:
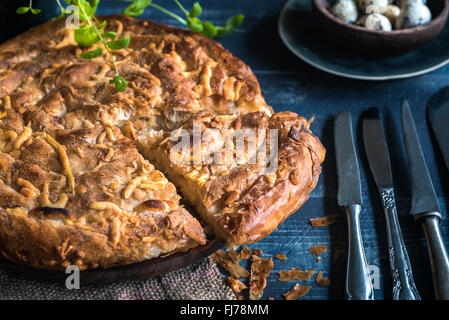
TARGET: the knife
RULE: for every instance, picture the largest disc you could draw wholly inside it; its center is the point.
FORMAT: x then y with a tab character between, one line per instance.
425	208
438	114
379	161
358	281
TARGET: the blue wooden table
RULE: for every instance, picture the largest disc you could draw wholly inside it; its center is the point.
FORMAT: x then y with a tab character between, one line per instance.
289	84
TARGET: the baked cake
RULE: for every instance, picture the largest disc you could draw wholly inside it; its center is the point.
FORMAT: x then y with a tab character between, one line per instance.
87	174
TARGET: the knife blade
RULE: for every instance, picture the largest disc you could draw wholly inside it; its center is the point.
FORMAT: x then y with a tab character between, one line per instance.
379	161
438	115
425	207
358	281
376	150
349	186
424	200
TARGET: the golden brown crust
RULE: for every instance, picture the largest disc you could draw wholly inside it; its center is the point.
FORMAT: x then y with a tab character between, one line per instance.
104	221
242	203
52	244
74	186
266	204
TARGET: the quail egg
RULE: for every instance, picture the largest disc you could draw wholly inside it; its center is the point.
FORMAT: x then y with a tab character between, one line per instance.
381	5
412	16
345	10
403	3
374	9
392	13
377	21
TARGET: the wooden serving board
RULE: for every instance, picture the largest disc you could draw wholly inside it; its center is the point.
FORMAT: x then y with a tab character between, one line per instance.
132	272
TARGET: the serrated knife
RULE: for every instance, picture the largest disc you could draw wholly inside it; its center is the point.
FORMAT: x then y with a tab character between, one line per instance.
425	208
358	282
379	161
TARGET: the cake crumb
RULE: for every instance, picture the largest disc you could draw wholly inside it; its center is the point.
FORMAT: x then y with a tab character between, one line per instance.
280	256
324	221
296	274
296	292
235	285
318	250
243	254
260	269
322	282
236	270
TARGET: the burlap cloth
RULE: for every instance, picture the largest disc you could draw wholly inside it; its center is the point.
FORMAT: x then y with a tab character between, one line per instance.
199	281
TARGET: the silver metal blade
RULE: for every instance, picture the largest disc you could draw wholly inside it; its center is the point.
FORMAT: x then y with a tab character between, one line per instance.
438	113
349	189
376	149
423	194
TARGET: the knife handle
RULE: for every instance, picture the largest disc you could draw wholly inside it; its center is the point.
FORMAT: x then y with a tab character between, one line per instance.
358	280
438	257
403	284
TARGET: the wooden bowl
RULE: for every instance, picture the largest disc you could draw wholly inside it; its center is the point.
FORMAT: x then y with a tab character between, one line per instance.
379	41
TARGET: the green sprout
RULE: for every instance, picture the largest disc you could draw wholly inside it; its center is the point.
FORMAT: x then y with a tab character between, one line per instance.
192	20
92	32
23	10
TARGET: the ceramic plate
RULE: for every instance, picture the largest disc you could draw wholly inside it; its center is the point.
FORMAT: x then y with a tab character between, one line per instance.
303	37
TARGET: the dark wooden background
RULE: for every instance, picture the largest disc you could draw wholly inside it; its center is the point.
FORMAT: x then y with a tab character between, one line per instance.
290	84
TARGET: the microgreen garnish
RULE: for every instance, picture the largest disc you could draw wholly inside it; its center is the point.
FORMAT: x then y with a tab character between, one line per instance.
92	32
23	10
136	8
91	54
118	44
120	83
63	10
192	20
